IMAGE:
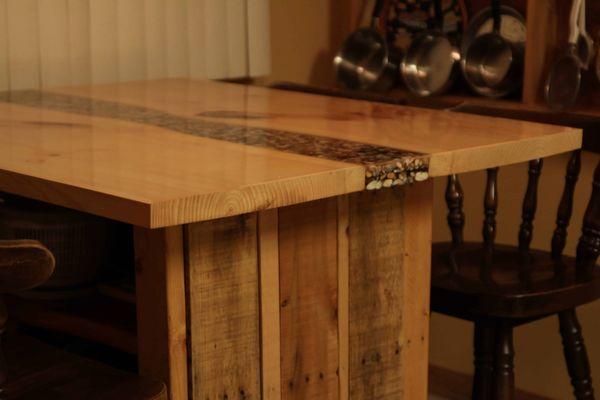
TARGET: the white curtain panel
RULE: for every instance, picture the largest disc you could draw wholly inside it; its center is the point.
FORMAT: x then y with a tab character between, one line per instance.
45	43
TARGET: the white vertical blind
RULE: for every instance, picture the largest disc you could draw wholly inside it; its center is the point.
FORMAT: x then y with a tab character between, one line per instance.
155	39
46	43
78	13
23	44
54	42
3	46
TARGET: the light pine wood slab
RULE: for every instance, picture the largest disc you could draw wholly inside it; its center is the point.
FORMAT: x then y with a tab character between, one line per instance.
180	151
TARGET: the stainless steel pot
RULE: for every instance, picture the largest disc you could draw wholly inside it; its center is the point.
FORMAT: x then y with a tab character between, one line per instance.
365	61
564	79
431	61
493	65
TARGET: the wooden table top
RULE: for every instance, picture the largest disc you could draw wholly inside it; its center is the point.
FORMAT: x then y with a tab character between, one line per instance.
167	152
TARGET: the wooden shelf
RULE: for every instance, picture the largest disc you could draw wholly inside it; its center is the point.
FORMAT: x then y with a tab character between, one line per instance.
96	318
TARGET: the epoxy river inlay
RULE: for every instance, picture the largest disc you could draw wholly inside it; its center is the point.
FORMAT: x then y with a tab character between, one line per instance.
385	166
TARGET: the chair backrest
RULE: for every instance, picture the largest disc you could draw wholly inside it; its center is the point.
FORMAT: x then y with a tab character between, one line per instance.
588	248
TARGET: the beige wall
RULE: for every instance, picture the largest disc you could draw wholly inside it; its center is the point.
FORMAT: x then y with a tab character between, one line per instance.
304	36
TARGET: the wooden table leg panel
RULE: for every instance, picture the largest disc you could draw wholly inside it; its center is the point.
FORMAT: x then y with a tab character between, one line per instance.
389	239
308	300
323	300
223	309
160	291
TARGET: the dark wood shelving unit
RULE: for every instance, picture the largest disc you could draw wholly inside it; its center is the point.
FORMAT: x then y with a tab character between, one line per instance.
97	318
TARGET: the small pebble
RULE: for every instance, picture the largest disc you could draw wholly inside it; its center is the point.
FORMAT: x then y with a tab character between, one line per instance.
421	176
388	183
372	185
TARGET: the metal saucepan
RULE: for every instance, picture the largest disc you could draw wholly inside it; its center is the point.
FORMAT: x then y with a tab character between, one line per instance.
585	44
431	61
365	61
564	79
493	65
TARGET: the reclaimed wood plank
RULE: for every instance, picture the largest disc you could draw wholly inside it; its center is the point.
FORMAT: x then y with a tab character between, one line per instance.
269	304
161	311
309	302
343	296
389	248
223	308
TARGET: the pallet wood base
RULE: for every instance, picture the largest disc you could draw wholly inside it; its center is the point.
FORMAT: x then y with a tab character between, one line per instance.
323	300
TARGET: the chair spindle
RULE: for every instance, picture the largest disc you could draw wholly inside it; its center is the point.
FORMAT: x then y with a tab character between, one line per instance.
588	247
456	216
530	204
490	205
565	207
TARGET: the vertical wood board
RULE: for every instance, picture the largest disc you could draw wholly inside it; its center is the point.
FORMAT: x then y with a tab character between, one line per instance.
161	310
223	290
269	298
309	302
376	264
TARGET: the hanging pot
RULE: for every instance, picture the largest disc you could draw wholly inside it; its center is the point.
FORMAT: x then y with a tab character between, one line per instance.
365	61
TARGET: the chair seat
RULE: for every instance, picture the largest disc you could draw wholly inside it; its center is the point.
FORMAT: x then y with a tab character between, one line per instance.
39	371
469	284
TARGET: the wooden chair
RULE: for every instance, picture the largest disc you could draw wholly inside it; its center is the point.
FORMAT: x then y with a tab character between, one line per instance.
30	369
499	287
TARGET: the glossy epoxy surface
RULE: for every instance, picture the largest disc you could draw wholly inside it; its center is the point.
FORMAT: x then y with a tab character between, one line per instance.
168	152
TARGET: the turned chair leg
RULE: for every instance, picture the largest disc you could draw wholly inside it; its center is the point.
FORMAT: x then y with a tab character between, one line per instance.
504	369
483	345
576	355
3	371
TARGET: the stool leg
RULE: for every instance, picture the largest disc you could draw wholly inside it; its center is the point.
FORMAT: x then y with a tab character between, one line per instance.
504	369
576	355
483	345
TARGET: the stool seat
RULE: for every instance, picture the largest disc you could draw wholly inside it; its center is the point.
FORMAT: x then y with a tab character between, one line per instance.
39	371
468	282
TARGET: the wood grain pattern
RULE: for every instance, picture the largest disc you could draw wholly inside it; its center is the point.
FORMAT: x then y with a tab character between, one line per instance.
223	290
309	302
347	119
162	349
343	296
389	286
416	267
376	237
269	304
173	178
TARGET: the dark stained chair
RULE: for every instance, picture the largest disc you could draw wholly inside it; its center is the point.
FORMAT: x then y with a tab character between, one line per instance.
499	287
30	369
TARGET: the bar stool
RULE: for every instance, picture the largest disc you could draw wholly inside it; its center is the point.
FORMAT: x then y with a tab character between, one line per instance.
499	287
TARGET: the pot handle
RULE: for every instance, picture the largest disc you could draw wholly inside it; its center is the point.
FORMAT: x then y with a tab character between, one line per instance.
377	9
497	16
574	22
